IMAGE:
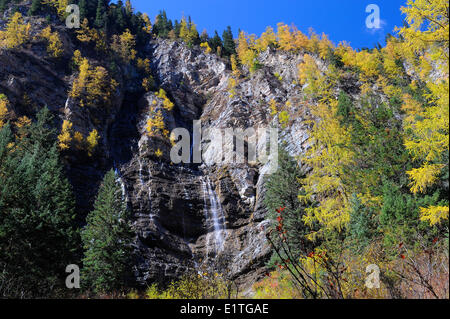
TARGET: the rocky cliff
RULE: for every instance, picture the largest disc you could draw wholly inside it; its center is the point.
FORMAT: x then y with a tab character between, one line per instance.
187	215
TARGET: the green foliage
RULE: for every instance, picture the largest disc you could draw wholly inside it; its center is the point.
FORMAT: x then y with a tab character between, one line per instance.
215	42
162	25
100	17
37	232
36	6
107	241
282	191
362	229
399	217
229	46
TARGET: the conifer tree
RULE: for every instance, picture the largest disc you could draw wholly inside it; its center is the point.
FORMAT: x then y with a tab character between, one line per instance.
107	240
37	233
35	7
83	9
100	17
215	42
282	191
229	46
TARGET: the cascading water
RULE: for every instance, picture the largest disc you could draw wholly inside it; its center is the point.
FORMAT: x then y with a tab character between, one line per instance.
120	181
213	212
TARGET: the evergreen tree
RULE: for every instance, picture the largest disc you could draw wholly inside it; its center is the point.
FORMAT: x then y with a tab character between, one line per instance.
177	28
119	17
100	17
107	240
162	25
37	233
229	46
215	42
83	9
282	191
3	5
36	6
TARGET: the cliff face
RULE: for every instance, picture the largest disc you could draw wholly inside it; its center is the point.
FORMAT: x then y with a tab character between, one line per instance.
189	215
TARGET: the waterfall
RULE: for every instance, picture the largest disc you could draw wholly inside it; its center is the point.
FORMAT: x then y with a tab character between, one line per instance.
120	181
152	217
214	212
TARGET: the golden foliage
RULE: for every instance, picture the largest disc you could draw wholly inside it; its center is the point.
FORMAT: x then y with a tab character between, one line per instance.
4	113
167	104
55	46
87	35
206	47
65	138
16	32
155	123
92	141
424	177
59	5
124	46
285	37
267	39
434	214
426	48
148	25
92	86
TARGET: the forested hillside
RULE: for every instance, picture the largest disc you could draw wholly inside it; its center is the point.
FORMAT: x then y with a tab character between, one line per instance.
86	177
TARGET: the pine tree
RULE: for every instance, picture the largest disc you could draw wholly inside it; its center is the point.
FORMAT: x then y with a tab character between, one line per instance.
36	6
215	42
177	28
107	240
100	17
3	5
83	9
162	25
37	232
229	46
119	17
282	191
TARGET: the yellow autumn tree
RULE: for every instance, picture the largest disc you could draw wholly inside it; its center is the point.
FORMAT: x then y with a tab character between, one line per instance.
92	141
426	47
206	47
246	51
155	123
92	87
285	37
147	24
16	32
325	45
267	39
3	110
59	5
330	152
87	35
301	40
167	104
184	30
54	46
124	46
65	138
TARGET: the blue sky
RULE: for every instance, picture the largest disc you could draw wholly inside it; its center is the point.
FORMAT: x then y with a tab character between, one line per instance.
340	19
